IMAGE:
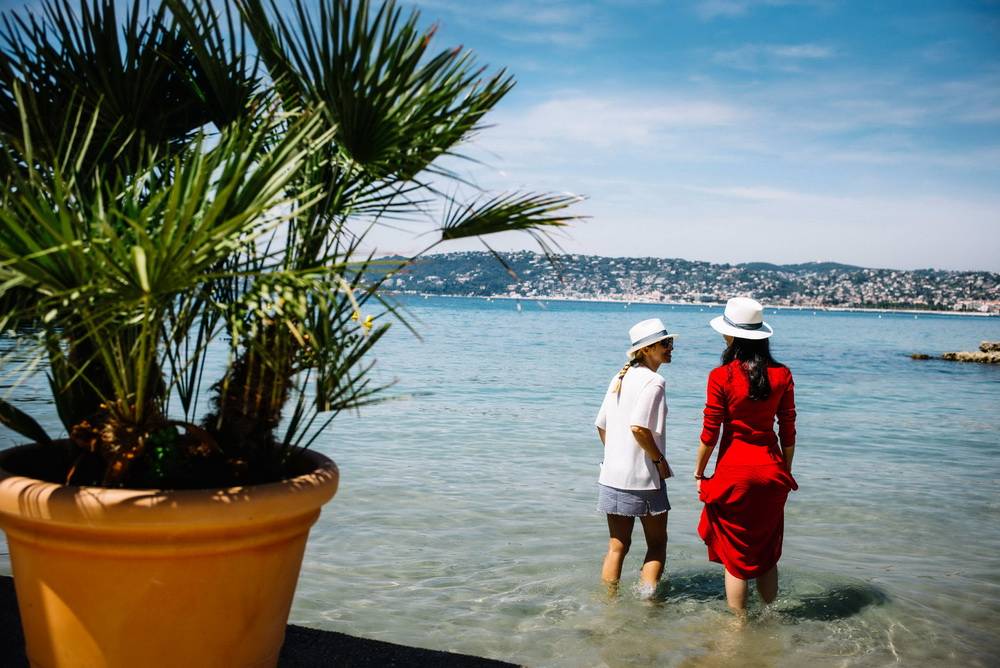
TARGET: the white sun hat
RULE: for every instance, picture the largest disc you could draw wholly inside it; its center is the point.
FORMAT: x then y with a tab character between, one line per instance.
646	333
743	319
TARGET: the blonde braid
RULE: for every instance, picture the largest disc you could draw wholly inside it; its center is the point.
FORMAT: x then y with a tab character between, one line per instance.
621	374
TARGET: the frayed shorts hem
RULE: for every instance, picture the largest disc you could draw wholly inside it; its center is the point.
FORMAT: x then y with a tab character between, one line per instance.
632	502
661	512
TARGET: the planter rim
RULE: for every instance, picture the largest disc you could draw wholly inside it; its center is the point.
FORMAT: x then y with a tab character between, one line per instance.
29	498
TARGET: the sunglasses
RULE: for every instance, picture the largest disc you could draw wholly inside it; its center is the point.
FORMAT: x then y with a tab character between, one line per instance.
667	343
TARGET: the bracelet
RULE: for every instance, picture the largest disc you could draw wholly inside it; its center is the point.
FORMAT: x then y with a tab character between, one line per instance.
699	476
657	461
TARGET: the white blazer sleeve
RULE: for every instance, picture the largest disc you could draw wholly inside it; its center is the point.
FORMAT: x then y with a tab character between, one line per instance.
650	409
602	415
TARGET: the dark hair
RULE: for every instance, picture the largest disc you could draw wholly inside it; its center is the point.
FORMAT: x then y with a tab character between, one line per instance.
755	357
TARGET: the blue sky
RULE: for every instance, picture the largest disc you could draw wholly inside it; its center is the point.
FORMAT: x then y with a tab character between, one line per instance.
739	130
744	130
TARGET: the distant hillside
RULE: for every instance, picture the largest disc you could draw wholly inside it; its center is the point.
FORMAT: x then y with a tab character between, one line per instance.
798	268
532	275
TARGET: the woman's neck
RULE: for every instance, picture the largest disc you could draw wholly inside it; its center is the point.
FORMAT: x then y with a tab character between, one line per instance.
649	365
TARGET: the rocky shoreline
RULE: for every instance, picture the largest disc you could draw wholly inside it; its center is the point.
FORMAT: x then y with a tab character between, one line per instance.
988	353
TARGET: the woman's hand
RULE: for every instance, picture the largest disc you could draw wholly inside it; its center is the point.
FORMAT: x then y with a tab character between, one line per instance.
698	485
663	469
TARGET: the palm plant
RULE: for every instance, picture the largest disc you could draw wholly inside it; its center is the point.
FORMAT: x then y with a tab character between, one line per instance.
190	175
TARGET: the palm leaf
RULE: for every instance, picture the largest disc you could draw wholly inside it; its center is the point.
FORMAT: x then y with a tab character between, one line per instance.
17	420
506	212
226	77
394	107
106	265
138	71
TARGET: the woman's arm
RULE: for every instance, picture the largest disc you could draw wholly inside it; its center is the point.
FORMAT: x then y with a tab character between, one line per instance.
701	461
603	435
644	438
789	453
714	416
786	423
715	410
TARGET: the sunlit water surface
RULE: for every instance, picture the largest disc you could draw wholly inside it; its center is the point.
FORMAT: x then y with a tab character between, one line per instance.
465	519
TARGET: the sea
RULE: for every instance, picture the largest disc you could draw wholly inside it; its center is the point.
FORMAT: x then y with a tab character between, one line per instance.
465	519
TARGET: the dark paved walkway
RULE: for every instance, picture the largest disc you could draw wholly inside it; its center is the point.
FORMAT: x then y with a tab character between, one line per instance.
304	648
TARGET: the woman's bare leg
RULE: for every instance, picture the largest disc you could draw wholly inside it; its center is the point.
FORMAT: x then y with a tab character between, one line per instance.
736	593
655	529
767	585
620	528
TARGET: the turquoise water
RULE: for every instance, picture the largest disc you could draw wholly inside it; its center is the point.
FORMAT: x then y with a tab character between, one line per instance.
465	519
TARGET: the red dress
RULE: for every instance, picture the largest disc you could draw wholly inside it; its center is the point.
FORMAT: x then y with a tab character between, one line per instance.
743	520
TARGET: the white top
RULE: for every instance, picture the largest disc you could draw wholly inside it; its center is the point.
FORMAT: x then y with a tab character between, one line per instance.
641	402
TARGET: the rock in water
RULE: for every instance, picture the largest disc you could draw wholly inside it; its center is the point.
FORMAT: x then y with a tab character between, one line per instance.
988	353
981	357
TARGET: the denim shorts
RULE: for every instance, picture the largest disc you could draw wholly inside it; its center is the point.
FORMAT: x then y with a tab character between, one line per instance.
632	502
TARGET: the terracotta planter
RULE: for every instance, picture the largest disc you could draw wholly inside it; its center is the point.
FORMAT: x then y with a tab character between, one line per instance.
111	577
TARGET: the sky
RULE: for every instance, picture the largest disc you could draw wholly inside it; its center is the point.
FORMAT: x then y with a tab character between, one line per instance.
749	130
742	130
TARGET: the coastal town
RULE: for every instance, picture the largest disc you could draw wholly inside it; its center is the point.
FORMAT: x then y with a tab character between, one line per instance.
528	275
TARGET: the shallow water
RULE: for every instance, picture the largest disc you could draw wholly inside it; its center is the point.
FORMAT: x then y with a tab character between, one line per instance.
465	519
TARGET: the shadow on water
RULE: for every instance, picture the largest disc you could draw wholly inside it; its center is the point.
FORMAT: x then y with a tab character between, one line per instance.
837	602
700	586
825	600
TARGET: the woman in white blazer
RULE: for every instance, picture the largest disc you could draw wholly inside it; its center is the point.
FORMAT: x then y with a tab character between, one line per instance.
631	425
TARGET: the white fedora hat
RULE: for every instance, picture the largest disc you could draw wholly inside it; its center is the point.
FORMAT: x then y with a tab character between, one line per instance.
646	333
743	319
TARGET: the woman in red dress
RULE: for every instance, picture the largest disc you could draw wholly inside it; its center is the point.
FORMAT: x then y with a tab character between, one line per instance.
743	520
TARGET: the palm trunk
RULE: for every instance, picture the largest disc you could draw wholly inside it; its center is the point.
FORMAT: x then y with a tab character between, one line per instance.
248	402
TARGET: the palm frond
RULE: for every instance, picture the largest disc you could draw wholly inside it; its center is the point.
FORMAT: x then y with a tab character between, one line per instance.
227	74
138	72
17	420
506	212
108	265
395	107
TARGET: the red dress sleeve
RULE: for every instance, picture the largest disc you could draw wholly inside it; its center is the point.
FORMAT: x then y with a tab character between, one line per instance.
786	415
715	409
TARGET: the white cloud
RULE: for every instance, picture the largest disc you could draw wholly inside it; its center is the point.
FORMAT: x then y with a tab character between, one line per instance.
708	10
778	56
941	51
712	9
625	121
898	229
551	13
830	127
565	23
753	193
970	100
985	158
564	38
803	51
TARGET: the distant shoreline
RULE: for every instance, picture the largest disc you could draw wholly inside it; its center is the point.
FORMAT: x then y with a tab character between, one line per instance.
827	285
612	300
